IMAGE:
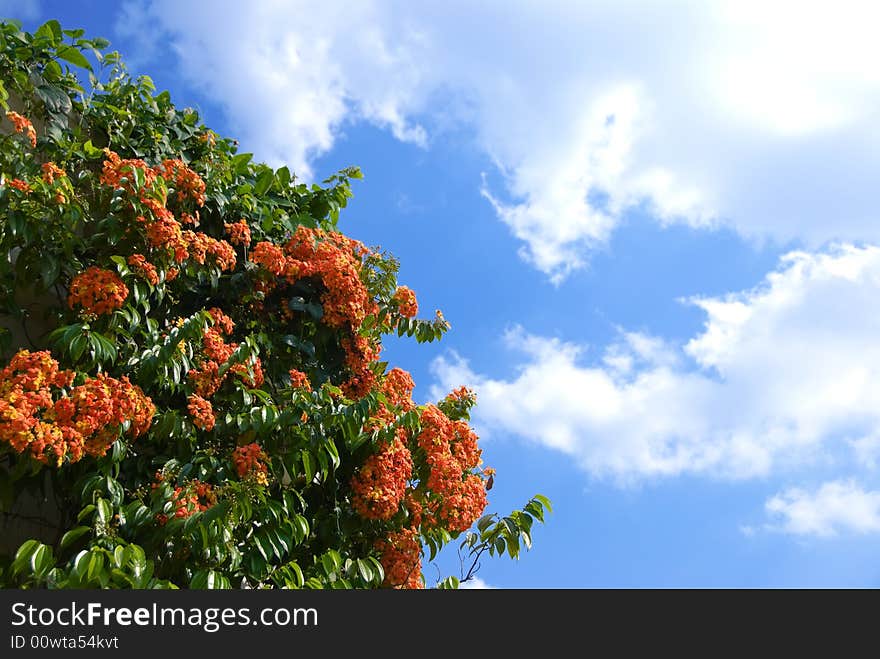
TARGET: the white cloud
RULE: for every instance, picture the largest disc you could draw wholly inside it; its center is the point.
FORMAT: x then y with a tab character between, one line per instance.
755	114
837	506
475	583
781	376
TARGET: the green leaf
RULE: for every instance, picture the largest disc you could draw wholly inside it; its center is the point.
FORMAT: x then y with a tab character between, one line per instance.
105	512
544	501
50	268
115	490
57	101
23	555
42	561
263	546
92	152
365	570
51	30
74	56
72	535
264	181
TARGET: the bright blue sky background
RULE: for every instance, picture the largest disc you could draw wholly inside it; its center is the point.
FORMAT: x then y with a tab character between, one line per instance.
563	183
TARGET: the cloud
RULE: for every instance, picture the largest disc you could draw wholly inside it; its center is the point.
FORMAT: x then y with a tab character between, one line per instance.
781	376
475	583
756	115
837	506
290	75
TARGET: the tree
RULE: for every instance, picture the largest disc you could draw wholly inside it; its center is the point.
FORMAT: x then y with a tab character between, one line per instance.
192	393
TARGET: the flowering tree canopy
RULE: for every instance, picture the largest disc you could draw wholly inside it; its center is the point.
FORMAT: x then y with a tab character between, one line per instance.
192	394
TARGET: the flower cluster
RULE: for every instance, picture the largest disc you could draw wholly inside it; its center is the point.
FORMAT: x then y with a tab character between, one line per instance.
360	354
200	246
458	496
250	461
23	125
51	425
139	264
202	412
97	291
299	380
163	232
206	379
239	233
398	387
380	484
186	181
337	263
406	302
51	171
119	173
18	184
401	558
194	496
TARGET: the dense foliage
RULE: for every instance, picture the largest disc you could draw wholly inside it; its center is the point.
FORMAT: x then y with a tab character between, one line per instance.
193	394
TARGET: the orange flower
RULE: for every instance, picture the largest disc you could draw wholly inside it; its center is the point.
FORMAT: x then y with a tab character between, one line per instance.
250	461
239	233
97	291
299	380
401	559
144	268
23	125
202	412
18	184
398	387
51	171
37	415
406	302
380	484
186	181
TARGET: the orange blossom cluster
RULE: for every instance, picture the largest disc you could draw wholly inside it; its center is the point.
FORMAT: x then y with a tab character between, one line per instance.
195	496
337	261
202	412
251	460
23	125
380	484
239	233
51	171
97	291
87	420
18	184
163	231
139	264
299	380
459	496
401	559
406	302
206	378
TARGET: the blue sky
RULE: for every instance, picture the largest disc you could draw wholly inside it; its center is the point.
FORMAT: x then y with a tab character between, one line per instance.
652	229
